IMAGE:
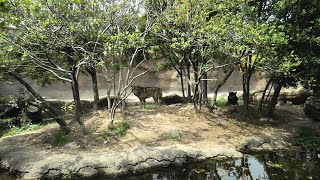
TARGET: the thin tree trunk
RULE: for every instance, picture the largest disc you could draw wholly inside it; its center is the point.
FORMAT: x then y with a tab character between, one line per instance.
274	99
93	74
109	87
226	77
51	112
109	96
205	88
76	95
196	77
181	79
182	85
264	94
246	90
245	103
189	87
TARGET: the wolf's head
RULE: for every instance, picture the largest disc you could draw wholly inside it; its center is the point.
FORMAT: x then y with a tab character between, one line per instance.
136	90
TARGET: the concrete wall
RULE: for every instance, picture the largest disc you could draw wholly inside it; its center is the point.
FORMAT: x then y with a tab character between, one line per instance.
168	81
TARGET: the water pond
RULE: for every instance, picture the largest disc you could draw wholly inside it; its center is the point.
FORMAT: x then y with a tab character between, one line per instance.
275	166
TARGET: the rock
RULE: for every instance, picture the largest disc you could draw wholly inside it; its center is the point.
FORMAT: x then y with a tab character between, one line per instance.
289	103
174	134
71	146
263	143
312	108
35	163
175	105
296	96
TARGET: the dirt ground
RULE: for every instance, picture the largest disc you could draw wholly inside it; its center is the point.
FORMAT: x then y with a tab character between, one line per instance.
153	126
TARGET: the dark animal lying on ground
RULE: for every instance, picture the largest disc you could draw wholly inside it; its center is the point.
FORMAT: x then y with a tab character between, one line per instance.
232	99
172	99
35	117
10	112
145	92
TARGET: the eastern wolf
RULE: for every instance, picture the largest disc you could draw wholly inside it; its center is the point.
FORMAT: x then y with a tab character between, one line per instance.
145	92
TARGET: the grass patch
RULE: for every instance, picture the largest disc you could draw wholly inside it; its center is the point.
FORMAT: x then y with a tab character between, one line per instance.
221	101
150	106
308	139
122	128
174	137
56	139
24	128
116	130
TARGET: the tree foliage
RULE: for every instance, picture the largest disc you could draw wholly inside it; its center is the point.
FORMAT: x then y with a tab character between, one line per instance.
50	40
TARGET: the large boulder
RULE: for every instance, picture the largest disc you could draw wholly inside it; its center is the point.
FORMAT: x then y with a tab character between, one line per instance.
312	108
296	96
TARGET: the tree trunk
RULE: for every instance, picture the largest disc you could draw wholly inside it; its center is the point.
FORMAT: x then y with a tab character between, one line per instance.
93	74
75	88
51	112
246	89
109	96
182	85
181	80
113	111
274	99
109	86
226	77
76	95
205	88
196	77
264	94
189	87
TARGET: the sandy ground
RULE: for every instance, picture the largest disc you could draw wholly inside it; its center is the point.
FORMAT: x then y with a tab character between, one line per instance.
149	143
153	126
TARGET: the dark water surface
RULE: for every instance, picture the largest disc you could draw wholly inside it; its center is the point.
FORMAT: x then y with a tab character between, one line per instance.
273	166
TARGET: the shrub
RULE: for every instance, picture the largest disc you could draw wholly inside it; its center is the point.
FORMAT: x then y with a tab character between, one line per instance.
56	139
69	107
308	139
122	128
221	101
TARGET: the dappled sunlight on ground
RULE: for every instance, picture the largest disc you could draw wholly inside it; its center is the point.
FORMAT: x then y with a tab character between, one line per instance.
152	127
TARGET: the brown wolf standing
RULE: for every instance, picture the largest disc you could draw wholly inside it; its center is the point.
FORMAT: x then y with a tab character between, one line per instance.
145	92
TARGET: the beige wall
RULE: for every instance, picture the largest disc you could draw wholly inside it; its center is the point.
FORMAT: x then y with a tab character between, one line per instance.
168	81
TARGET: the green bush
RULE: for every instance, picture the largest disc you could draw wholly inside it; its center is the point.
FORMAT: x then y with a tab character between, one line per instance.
56	139
69	107
221	101
122	128
307	139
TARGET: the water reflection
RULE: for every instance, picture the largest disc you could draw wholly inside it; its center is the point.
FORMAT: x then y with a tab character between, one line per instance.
289	165
275	166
